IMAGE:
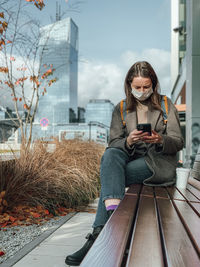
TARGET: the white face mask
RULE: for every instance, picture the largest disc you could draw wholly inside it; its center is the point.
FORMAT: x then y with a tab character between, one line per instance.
142	95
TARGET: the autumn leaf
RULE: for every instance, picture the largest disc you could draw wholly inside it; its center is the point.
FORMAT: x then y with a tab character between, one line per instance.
26	106
4	25
12	219
20	99
9	42
4	69
9	84
49	71
2	194
46	212
40	208
14	224
39	5
34	79
20	80
2	15
2	42
6	218
2	253
35	215
52	81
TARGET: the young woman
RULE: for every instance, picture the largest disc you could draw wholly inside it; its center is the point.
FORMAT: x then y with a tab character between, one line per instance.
134	156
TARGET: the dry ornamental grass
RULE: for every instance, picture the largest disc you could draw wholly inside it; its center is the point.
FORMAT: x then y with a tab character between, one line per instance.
68	176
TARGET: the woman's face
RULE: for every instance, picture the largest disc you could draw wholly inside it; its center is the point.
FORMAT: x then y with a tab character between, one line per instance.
141	84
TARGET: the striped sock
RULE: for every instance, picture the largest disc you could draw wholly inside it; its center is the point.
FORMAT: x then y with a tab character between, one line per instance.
111	207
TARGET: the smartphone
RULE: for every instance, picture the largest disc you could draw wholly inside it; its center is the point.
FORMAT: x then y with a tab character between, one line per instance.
145	127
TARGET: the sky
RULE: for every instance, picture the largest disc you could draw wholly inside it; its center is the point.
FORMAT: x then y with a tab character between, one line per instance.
113	35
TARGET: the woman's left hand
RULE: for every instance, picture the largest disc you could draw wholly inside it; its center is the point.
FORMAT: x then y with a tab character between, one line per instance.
154	138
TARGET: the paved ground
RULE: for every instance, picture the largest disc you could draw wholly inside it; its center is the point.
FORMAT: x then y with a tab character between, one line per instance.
65	240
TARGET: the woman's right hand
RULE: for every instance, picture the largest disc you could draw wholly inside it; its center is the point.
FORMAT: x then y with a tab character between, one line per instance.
136	136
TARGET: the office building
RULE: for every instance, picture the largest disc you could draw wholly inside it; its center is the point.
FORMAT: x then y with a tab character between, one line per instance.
58	48
93	131
185	66
99	110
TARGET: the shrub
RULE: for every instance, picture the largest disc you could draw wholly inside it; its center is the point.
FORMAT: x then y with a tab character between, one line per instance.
67	176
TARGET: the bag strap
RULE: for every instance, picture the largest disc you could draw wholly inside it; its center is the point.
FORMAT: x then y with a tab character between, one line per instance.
164	106
123	111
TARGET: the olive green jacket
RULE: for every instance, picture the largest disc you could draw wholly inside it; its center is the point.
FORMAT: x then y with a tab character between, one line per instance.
161	159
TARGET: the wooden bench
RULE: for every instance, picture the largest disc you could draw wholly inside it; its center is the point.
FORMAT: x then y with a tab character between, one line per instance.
152	226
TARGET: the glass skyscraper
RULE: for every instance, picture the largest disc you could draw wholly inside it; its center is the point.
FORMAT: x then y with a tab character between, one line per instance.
99	110
58	47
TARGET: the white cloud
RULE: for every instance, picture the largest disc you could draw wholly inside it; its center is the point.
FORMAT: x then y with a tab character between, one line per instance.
99	81
106	80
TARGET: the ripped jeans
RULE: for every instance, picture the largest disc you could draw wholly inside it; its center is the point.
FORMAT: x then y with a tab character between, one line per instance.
118	171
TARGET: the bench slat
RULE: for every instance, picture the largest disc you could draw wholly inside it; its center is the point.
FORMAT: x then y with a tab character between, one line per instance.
191	221
108	249
196	206
175	194
179	249
194	183
195	174
194	191
188	195
146	237
134	189
161	192
181	198
147	191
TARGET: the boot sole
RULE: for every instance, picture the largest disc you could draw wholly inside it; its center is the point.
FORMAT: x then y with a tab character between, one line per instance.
72	263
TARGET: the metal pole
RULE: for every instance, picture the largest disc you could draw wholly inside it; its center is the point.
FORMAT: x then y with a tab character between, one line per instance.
89	131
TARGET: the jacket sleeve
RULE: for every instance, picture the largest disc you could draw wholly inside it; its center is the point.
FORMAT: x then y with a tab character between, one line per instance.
118	134
172	140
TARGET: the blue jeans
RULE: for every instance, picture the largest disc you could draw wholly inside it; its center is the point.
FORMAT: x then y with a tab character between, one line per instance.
118	171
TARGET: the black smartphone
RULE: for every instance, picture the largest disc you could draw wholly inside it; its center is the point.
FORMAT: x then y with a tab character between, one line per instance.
145	127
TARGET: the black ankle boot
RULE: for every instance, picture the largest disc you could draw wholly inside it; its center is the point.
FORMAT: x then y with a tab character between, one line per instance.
76	258
109	213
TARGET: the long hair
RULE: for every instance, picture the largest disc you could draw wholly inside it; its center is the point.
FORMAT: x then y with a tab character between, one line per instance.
145	70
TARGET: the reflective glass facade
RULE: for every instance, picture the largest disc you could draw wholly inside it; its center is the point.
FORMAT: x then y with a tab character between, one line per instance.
99	110
59	47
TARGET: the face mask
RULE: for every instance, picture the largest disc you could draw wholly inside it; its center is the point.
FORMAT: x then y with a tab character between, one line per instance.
142	95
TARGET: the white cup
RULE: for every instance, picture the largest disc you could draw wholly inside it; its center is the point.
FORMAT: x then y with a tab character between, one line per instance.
182	175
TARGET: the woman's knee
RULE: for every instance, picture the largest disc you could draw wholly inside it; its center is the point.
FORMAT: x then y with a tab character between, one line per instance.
112	152
136	171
